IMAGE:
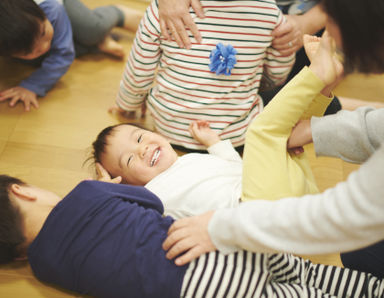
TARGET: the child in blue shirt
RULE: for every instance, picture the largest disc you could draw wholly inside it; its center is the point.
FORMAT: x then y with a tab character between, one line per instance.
104	240
50	33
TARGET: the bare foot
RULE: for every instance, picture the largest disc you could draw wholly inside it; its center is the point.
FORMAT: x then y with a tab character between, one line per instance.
324	62
311	45
110	46
132	17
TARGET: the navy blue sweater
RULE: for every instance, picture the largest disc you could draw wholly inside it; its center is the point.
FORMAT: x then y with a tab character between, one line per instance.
105	240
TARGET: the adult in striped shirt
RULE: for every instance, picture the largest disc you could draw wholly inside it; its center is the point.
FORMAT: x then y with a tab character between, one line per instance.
177	84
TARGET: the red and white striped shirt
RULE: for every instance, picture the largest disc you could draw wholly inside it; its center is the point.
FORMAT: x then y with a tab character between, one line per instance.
180	88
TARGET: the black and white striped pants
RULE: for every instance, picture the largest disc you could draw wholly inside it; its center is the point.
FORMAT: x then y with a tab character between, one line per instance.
246	274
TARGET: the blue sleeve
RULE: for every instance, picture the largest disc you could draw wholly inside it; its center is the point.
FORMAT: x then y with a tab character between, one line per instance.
61	54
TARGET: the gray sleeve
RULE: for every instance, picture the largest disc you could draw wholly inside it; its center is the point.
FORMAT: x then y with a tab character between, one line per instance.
346	217
350	135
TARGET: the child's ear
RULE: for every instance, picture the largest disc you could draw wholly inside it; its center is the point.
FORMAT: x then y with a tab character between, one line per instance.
23	192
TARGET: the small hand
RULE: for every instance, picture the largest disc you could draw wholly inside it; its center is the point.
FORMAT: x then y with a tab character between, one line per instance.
202	133
175	17
19	93
103	175
288	36
189	236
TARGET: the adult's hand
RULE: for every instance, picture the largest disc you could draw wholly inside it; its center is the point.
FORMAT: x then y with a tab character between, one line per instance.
190	237
288	36
175	18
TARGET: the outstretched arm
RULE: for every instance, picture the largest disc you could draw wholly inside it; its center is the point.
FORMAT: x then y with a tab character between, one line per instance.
201	132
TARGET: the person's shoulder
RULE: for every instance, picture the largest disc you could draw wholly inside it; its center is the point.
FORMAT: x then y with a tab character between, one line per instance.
49	4
52	9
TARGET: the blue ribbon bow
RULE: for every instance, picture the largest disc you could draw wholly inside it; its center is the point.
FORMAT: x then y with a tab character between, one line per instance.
222	59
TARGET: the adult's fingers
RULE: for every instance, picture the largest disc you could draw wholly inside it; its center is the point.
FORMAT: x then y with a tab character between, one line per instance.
282	29
164	30
175	34
196	5
179	247
174	236
189	256
283	40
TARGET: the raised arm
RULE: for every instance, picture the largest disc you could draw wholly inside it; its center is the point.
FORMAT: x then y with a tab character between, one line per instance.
201	132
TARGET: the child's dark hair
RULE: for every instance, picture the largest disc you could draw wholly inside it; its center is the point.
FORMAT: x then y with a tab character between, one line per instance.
20	25
11	233
361	25
102	140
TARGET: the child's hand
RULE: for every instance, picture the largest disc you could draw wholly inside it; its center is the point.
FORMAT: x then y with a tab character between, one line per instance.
202	133
19	93
103	175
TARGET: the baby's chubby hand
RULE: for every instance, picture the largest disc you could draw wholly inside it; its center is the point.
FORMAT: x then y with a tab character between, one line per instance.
202	133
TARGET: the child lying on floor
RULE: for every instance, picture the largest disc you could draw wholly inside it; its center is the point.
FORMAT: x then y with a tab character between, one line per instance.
49	33
104	240
195	183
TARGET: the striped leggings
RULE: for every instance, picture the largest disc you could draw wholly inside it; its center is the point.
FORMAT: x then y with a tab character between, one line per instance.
246	274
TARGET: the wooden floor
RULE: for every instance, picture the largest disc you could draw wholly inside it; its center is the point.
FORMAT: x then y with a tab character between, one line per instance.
47	147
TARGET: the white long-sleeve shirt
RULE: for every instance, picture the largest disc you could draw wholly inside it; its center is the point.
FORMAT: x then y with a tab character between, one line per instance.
197	183
346	217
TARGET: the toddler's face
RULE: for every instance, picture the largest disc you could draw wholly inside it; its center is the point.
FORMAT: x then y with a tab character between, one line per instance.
42	43
137	155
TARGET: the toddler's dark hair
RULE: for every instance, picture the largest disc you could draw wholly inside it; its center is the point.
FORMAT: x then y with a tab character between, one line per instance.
20	26
101	141
11	233
361	25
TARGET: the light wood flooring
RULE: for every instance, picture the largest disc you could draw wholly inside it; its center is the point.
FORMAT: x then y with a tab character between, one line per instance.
47	147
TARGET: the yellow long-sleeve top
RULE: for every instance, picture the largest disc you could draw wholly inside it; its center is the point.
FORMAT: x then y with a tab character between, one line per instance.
269	170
